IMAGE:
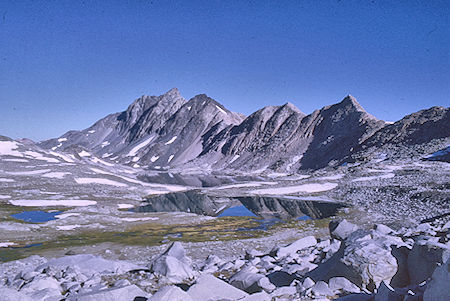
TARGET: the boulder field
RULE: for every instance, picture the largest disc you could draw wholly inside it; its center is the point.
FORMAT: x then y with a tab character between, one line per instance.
353	264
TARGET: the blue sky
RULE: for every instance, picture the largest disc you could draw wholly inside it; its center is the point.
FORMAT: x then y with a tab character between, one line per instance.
66	64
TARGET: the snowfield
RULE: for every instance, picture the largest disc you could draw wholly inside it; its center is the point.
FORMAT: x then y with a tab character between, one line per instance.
44	203
8	148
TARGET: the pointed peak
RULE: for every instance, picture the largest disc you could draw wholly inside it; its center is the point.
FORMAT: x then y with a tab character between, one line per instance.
173	93
349	100
292	107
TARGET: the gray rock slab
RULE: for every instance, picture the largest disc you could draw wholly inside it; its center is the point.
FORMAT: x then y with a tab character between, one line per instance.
208	287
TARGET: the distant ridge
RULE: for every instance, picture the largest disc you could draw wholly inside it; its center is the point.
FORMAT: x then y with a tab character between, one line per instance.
165	132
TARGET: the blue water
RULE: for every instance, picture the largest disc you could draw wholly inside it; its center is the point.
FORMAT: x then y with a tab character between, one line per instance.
237	211
304	218
36	216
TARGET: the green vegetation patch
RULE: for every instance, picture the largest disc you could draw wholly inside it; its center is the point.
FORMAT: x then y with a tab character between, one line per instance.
148	234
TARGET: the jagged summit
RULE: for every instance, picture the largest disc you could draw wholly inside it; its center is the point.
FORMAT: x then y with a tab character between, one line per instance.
292	107
350	101
167	131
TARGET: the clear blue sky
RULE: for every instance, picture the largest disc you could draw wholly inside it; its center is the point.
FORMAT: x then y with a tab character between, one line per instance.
66	64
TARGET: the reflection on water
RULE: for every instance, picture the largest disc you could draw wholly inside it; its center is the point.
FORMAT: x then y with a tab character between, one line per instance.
237	211
36	216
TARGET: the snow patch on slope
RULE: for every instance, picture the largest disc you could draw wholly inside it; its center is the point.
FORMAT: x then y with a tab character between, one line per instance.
135	149
9	148
171	140
220	109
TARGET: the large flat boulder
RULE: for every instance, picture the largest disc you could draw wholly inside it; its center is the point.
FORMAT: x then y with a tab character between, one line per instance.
171	293
173	264
126	293
294	247
208	287
341	229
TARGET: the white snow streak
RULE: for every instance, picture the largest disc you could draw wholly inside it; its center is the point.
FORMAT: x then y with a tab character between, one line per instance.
84	154
6	244
56	175
220	109
234	158
68	227
6	180
170	158
154	158
104	144
135	149
171	140
16	160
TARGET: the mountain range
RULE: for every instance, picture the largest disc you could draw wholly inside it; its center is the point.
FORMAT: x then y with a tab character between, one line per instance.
169	132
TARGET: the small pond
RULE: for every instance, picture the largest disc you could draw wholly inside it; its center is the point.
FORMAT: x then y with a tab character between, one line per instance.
36	216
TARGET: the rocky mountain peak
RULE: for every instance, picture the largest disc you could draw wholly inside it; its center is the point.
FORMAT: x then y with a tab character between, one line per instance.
291	106
351	102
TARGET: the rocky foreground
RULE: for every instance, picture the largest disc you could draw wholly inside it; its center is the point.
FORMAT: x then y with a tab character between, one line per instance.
355	264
